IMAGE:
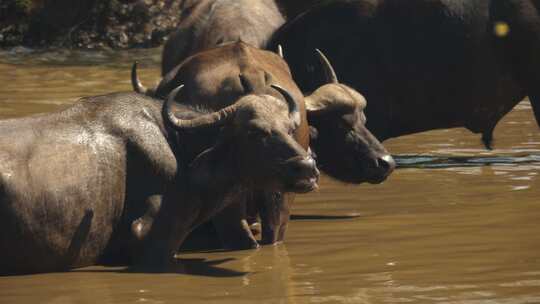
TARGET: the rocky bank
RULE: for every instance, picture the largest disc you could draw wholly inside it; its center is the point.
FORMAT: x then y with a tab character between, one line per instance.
87	24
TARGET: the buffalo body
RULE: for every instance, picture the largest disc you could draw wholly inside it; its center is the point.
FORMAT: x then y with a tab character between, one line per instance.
422	64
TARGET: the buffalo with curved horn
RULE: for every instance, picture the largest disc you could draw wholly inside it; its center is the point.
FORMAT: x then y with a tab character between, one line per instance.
337	121
212	86
366	159
143	177
424	65
210	23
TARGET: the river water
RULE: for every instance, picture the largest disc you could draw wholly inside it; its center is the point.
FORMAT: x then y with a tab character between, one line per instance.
454	224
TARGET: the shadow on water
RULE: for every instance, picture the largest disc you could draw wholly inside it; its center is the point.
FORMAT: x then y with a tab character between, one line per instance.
190	266
438	162
319	217
204	267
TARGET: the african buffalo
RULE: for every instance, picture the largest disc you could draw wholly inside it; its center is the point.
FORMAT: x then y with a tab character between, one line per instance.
345	148
82	185
423	64
341	140
338	118
209	23
211	75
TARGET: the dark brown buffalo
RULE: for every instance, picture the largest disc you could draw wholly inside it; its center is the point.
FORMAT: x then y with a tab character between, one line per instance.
293	8
207	23
346	149
77	185
211	73
340	138
424	64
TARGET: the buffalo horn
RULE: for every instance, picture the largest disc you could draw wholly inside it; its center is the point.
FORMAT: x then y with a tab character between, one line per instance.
135	82
280	51
329	71
202	121
293	108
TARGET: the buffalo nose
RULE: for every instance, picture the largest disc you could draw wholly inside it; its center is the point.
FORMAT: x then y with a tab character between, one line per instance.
387	163
302	175
310	165
307	167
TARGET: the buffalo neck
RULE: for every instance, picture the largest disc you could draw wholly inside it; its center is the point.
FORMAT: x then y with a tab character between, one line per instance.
206	182
194	197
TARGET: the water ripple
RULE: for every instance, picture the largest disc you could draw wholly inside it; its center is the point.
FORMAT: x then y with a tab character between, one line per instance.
436	161
65	57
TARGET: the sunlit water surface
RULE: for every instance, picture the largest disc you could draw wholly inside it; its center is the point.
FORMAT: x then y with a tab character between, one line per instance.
455	224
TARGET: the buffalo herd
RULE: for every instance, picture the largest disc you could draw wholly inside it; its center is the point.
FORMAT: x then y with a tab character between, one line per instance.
255	96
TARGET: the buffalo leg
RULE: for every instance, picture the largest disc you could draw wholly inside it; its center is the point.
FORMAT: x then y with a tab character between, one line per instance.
274	213
522	44
535	102
134	228
141	226
233	228
252	216
170	226
529	69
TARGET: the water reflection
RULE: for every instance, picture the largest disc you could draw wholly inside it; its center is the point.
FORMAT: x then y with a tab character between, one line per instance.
429	161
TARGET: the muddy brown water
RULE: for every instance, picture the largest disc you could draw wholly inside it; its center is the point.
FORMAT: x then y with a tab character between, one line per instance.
454	224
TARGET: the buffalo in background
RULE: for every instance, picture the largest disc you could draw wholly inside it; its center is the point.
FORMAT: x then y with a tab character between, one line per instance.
423	65
207	23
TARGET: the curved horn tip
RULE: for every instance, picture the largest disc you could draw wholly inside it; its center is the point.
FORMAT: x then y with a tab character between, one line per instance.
329	71
172	95
135	82
280	51
293	108
277	87
203	120
167	105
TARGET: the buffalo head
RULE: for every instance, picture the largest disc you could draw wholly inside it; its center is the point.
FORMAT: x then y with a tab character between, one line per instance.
345	148
256	138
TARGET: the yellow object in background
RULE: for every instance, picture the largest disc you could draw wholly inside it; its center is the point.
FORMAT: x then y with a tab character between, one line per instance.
501	29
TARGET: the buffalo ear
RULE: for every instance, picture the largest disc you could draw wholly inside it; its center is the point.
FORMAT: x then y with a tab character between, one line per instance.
314	106
332	98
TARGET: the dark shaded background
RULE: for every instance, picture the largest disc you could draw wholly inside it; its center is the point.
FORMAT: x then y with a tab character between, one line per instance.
98	24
